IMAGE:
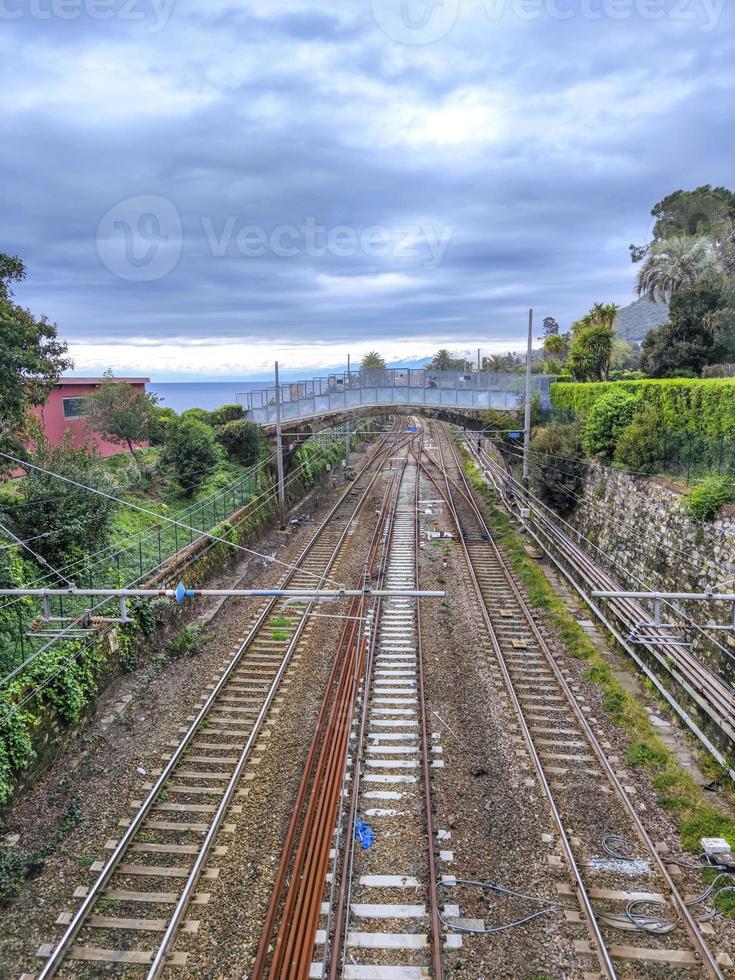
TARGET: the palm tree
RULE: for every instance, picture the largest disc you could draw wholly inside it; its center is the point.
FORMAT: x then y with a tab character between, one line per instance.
677	263
555	346
495	363
442	360
372	361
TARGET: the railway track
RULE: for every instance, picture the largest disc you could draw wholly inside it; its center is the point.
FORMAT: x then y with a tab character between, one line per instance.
621	890
375	914
159	867
712	695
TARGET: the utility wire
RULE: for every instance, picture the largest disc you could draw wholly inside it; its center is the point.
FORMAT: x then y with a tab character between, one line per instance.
150	513
39	558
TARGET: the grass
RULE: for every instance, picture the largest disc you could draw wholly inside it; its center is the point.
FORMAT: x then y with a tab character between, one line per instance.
677	791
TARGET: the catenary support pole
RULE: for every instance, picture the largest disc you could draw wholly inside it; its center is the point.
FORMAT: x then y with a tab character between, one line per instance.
527	422
279	456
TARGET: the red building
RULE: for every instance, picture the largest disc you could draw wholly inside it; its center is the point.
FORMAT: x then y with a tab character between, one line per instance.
64	411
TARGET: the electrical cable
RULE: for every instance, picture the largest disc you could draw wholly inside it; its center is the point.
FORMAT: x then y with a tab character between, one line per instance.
144	510
39	558
680	612
551	905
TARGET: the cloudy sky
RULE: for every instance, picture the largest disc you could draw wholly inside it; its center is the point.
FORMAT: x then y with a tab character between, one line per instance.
199	187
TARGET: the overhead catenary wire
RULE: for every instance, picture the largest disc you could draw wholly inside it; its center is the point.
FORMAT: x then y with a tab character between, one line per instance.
39	558
42	649
625	571
150	513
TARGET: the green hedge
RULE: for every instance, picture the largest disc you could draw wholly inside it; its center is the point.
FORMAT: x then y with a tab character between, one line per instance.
699	406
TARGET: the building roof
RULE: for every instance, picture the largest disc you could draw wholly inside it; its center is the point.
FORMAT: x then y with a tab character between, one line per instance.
98	381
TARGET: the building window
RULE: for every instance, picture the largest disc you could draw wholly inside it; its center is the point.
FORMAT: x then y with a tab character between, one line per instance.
74	408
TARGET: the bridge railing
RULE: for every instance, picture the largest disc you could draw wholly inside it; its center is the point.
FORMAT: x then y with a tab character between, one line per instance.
392	386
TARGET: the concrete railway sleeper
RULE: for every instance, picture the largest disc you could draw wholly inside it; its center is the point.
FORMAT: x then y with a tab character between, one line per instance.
584	785
705	689
371	753
156	867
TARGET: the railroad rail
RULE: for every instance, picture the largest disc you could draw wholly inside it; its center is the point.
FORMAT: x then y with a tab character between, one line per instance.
575	771
714	697
371	753
175	830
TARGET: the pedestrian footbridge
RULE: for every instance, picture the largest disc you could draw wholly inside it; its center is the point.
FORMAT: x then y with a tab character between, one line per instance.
439	394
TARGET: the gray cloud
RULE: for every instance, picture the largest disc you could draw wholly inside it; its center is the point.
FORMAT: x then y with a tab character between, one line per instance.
532	150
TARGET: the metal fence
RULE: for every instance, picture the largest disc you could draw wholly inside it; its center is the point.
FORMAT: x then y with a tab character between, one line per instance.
126	565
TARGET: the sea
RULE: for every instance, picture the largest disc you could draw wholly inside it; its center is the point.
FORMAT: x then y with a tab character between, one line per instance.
181	395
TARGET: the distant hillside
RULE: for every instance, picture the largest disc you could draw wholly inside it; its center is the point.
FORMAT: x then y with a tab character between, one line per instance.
634	321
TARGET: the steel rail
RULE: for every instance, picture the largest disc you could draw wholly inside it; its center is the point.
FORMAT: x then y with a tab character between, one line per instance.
307	786
710	694
601	951
436	939
700	946
64	945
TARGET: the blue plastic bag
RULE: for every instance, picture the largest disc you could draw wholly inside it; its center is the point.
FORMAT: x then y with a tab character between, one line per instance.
364	834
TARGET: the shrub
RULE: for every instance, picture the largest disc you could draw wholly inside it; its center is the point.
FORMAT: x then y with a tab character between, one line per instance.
556	476
707	498
605	421
200	414
639	445
190	450
241	441
186	643
225	414
699	406
79	521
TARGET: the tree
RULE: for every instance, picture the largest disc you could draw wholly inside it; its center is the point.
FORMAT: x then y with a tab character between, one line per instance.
495	363
160	419
225	414
372	361
639	446
120	412
551	327
707	210
591	351
443	361
557	471
190	450
31	356
556	346
241	440
79	521
686	343
677	263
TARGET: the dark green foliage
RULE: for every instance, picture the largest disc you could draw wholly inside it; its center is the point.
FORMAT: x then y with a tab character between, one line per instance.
591	352
605	420
190	450
15	867
186	643
241	440
639	447
707	498
225	414
159	421
706	210
31	357
556	475
80	521
687	341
